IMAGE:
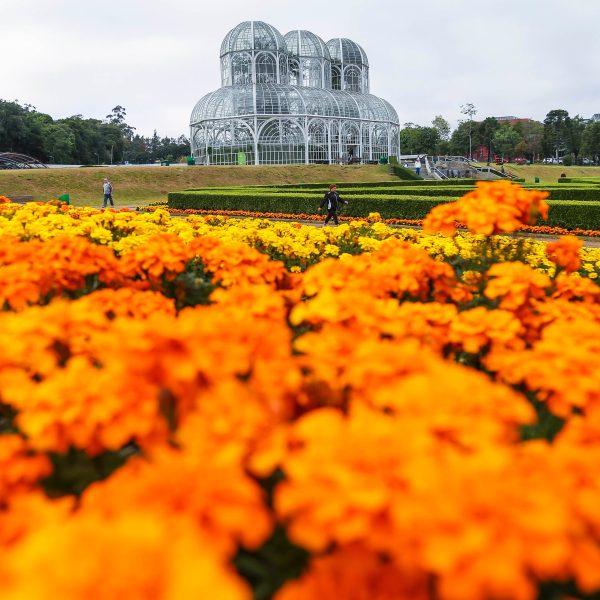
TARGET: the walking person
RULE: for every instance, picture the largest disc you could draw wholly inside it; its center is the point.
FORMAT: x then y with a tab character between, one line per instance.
418	166
107	189
333	201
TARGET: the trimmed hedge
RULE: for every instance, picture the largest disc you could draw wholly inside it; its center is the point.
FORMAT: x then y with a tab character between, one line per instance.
557	192
389	207
343	185
585	180
573	214
404	173
563	213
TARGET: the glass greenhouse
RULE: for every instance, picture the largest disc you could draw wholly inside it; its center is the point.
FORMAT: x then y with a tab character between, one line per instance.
291	99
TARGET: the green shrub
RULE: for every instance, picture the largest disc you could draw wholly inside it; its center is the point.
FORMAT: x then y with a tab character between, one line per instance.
573	214
415	207
569	214
404	173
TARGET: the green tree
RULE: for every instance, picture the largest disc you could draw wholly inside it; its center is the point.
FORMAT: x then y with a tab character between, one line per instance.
415	139
442	126
577	129
590	142
59	143
487	131
532	133
506	139
557	133
461	141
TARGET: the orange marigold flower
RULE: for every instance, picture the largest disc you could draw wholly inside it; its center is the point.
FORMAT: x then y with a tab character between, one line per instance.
204	481
20	468
355	573
561	367
442	219
494	207
104	558
573	287
515	284
565	253
477	328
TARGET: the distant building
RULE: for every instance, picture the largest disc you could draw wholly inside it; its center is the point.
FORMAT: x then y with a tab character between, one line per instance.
511	120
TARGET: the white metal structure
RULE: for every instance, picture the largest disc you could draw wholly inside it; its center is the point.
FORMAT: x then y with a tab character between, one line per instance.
291	99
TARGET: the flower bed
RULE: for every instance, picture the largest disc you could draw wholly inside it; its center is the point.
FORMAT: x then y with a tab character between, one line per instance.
213	407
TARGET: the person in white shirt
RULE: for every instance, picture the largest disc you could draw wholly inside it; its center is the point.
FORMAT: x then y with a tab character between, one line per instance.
418	166
107	189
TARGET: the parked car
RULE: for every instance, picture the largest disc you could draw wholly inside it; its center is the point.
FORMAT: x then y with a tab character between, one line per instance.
520	161
498	160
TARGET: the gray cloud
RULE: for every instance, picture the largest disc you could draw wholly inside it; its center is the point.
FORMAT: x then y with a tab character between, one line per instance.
520	57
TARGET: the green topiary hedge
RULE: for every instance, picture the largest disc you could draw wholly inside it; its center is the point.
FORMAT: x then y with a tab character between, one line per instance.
570	214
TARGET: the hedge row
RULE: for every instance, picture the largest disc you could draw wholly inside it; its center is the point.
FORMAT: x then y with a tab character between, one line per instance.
454	191
567	214
344	185
415	207
586	180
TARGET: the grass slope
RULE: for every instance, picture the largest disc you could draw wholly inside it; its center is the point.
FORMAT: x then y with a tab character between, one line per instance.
141	185
550	173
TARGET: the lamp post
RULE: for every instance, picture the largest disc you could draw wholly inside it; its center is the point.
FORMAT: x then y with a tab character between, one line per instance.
97	158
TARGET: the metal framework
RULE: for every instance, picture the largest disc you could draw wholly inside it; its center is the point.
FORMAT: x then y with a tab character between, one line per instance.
291	99
10	160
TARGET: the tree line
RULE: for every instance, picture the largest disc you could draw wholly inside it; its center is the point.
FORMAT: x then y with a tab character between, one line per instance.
572	139
76	140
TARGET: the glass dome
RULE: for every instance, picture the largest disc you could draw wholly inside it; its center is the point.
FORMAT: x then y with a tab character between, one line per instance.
279	99
309	60
253	35
347	52
306	44
254	52
349	66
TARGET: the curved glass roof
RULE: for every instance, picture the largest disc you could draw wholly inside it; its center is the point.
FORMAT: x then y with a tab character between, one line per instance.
253	35
307	44
347	52
279	99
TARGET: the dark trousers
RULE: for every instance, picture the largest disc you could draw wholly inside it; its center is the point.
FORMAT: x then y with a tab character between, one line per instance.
107	197
331	214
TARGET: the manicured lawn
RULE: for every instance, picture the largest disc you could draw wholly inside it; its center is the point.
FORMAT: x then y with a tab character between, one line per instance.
142	185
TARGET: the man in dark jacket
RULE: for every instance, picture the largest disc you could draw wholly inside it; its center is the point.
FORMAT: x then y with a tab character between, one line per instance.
333	201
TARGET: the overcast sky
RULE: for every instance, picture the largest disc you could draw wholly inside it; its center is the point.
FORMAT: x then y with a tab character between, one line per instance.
158	57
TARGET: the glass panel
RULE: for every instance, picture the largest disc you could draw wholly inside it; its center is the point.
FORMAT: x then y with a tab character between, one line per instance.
318	151
281	141
266	68
241	68
352	79
336	78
